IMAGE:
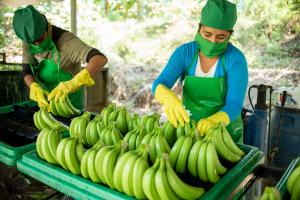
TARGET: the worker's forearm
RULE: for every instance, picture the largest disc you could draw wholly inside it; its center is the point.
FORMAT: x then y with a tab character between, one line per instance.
28	79
95	64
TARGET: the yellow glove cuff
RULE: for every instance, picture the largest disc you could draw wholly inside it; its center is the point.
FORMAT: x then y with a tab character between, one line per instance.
220	116
83	78
161	92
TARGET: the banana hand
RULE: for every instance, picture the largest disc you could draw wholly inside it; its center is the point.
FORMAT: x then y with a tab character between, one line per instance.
38	95
66	87
172	105
211	122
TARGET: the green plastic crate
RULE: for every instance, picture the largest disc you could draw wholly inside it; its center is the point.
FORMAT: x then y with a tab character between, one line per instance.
81	188
281	185
10	154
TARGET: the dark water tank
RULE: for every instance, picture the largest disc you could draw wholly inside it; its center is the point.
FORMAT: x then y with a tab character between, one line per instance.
289	135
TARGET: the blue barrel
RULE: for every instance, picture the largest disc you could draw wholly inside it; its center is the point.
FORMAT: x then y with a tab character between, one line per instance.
256	130
289	135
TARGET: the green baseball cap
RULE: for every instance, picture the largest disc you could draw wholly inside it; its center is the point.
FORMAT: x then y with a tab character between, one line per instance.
219	14
29	24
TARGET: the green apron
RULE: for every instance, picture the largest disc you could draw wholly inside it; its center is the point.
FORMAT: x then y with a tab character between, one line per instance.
49	74
204	96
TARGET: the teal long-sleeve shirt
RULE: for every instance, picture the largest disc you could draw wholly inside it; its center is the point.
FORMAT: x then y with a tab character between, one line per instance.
236	71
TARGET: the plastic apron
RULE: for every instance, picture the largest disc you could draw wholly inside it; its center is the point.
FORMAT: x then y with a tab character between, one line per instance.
204	96
49	74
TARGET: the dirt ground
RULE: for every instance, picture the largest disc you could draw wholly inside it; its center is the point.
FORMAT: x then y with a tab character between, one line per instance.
16	185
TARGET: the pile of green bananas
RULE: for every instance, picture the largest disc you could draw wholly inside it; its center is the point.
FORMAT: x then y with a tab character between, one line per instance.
69	154
47	143
134	138
119	115
79	125
88	165
129	171
157	143
293	184
42	119
105	161
224	144
161	182
63	108
270	193
149	122
111	134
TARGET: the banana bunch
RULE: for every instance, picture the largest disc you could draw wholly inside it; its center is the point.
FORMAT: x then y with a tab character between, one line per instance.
169	132
203	162
149	122
110	135
187	129
180	152
88	165
134	122
157	142
42	119
93	130
69	154
134	138
47	143
105	161
129	170
79	125
63	108
225	146
106	112
161	182
270	193
293	184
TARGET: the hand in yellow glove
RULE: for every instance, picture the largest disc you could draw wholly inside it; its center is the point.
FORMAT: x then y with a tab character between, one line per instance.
172	105
38	95
66	87
211	122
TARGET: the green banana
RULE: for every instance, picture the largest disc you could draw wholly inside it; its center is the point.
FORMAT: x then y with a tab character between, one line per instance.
222	149
53	138
153	153
67	110
74	110
296	190
91	166
40	120
53	108
106	112
118	171
193	158
220	168
39	143
139	168
60	153
36	122
46	150
121	121
150	123
79	151
169	133
230	143
292	179
211	169
148	181
183	190
109	163
99	167
181	162
179	131
176	150
113	116
162	184
201	163
132	142
83	164
60	110
71	158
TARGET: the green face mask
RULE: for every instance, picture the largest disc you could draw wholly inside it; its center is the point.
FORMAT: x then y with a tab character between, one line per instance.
210	49
46	45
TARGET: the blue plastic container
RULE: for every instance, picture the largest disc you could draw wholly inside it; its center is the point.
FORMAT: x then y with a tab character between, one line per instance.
289	135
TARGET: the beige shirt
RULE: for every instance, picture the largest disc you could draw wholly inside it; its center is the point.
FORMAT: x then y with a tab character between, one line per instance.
72	50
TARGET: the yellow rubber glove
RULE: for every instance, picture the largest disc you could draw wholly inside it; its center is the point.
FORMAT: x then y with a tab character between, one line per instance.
172	105
38	95
211	122
64	88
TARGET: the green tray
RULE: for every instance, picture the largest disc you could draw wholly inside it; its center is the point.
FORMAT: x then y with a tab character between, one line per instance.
10	154
281	185
81	188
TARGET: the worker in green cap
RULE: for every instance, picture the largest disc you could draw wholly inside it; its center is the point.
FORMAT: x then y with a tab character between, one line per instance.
52	59
212	71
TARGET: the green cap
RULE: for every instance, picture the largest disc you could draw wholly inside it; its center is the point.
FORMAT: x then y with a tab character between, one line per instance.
219	14
29	24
